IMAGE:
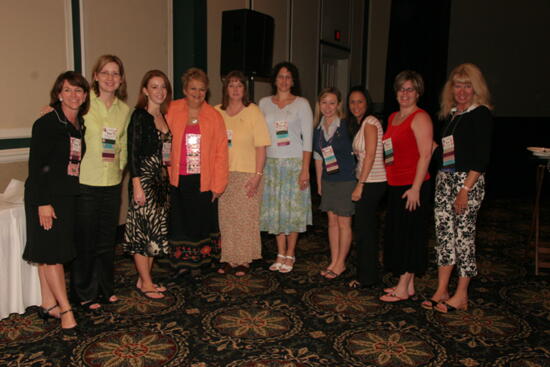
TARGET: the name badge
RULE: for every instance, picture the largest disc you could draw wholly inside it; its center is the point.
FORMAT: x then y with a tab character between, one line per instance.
331	164
108	139
75	153
193	145
388	151
166	149
229	137
281	131
448	153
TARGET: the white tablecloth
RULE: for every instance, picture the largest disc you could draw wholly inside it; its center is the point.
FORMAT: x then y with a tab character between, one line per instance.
19	284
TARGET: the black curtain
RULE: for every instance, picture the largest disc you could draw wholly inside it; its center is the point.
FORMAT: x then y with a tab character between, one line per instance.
418	40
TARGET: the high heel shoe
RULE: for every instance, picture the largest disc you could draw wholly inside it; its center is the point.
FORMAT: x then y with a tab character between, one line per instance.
72	331
44	313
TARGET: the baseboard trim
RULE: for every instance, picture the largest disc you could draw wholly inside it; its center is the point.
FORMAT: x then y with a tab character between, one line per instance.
14	155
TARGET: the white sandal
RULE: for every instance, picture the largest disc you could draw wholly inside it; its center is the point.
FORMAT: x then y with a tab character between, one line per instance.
287	268
277	265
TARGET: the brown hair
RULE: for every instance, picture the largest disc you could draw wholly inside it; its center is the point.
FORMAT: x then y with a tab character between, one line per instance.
234	75
413	77
296	89
100	64
142	98
76	80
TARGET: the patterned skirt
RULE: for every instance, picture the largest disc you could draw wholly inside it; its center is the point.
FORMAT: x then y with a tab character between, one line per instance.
146	230
285	208
240	221
194	234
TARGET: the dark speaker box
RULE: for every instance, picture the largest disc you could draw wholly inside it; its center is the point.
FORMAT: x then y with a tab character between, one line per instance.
247	42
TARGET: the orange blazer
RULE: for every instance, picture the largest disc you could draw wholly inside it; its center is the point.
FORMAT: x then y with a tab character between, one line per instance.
214	150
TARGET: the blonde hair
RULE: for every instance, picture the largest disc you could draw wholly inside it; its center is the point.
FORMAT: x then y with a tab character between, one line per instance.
464	73
324	92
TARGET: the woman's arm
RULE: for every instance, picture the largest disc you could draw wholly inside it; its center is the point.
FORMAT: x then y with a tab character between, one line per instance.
461	200
370	134
252	184
423	133
319	174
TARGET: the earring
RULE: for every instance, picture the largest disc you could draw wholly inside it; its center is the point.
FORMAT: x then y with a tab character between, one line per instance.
60	99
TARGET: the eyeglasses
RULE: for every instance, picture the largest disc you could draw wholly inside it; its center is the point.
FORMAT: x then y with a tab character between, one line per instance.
106	74
406	90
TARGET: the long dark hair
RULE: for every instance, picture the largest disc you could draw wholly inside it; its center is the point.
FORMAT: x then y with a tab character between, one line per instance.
76	80
296	88
353	124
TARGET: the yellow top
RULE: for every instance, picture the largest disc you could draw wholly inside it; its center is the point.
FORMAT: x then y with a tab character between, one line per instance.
247	130
94	170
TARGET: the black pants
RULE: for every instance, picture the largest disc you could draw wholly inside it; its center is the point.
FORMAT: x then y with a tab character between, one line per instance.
366	233
97	213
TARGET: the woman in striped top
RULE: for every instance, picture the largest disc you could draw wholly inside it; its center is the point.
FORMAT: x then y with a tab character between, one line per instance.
370	187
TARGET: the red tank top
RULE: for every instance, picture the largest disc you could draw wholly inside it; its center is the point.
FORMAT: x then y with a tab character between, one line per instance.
405	152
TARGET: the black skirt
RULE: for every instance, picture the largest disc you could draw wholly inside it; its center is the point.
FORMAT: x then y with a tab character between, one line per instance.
193	234
55	246
405	244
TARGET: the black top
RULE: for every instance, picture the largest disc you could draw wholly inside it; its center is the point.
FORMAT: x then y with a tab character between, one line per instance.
49	158
341	144
472	133
143	140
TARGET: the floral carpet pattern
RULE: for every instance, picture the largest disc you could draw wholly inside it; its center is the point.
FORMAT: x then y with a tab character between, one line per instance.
299	319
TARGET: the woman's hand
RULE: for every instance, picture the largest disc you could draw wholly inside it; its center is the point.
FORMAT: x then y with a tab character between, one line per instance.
46	215
413	199
461	201
216	195
357	192
139	195
252	185
303	180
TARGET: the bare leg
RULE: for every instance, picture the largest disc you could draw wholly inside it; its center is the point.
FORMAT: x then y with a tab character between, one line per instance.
291	240
460	298
48	299
55	277
402	288
143	266
333	239
443	276
344	243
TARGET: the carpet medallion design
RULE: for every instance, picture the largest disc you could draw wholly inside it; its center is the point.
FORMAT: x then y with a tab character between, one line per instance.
252	324
25	328
389	346
252	284
343	303
482	325
141	347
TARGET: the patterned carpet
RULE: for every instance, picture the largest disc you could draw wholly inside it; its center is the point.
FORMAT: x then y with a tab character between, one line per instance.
267	319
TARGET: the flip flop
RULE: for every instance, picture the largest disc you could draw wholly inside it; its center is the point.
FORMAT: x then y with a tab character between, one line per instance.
241	270
450	308
146	294
225	269
391	298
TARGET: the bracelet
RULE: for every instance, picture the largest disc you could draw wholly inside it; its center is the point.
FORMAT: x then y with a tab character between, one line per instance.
467	188
260	173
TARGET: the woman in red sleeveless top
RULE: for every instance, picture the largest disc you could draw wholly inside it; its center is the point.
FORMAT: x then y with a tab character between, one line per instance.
407	153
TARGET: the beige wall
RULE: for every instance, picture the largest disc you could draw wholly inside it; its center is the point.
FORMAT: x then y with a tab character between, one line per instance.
34	52
139	37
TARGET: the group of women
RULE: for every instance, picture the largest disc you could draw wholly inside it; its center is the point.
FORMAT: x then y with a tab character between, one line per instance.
356	161
185	156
